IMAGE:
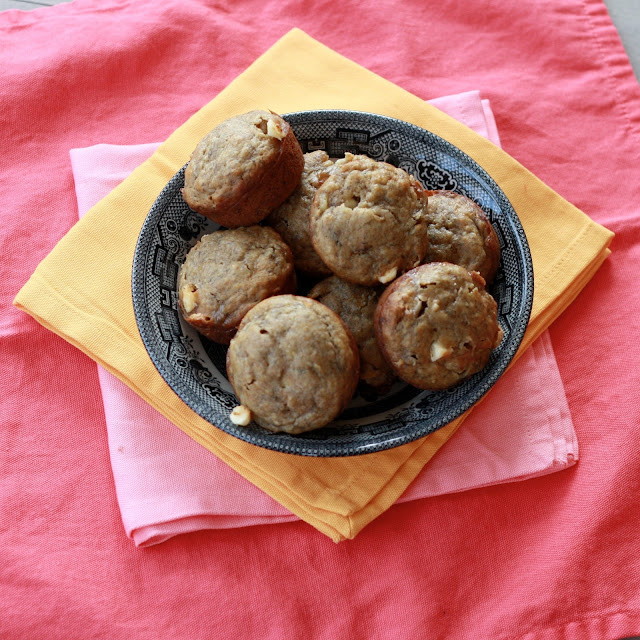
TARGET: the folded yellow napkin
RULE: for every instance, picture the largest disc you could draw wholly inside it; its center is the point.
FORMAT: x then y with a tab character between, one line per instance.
91	307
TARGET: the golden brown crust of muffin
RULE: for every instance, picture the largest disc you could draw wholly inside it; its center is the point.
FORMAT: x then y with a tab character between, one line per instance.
293	363
460	232
291	218
244	168
356	305
367	221
436	325
228	272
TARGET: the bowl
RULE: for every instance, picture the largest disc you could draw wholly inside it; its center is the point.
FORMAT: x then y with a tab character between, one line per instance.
194	367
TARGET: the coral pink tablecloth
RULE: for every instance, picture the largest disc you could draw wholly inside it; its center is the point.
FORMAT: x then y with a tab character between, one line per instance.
549	558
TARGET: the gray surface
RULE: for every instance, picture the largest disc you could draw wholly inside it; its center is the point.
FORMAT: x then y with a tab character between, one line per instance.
625	14
27	5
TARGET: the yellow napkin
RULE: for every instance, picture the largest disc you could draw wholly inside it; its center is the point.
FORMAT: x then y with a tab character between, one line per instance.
90	305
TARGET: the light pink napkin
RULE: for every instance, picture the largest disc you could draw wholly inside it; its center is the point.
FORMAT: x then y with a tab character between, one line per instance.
167	484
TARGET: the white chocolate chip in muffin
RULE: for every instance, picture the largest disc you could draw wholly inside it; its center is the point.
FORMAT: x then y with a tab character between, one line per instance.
189	298
240	416
321	202
389	275
439	350
351	203
275	130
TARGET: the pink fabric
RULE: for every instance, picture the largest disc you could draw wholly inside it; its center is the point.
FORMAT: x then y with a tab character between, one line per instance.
555	557
167	484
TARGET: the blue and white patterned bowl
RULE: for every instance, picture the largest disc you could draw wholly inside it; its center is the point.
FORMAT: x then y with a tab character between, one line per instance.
195	367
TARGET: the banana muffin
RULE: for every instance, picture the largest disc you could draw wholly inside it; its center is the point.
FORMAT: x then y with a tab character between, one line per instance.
243	169
229	271
368	221
460	232
291	218
436	325
293	365
356	306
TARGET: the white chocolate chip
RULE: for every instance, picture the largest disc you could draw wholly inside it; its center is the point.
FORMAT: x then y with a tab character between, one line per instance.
321	202
240	416
347	158
275	130
189	298
352	203
439	350
388	276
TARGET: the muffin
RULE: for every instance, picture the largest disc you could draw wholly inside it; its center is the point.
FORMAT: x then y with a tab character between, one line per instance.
368	221
356	306
460	232
229	271
291	218
243	169
436	325
293	365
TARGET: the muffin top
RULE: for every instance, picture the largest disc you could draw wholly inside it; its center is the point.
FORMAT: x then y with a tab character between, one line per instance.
293	364
368	221
460	232
291	218
356	305
436	325
227	272
242	169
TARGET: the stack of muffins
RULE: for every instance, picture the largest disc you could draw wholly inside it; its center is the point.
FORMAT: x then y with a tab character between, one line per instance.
398	275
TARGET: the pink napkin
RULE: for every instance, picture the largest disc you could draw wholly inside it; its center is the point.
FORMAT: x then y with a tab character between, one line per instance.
167	484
